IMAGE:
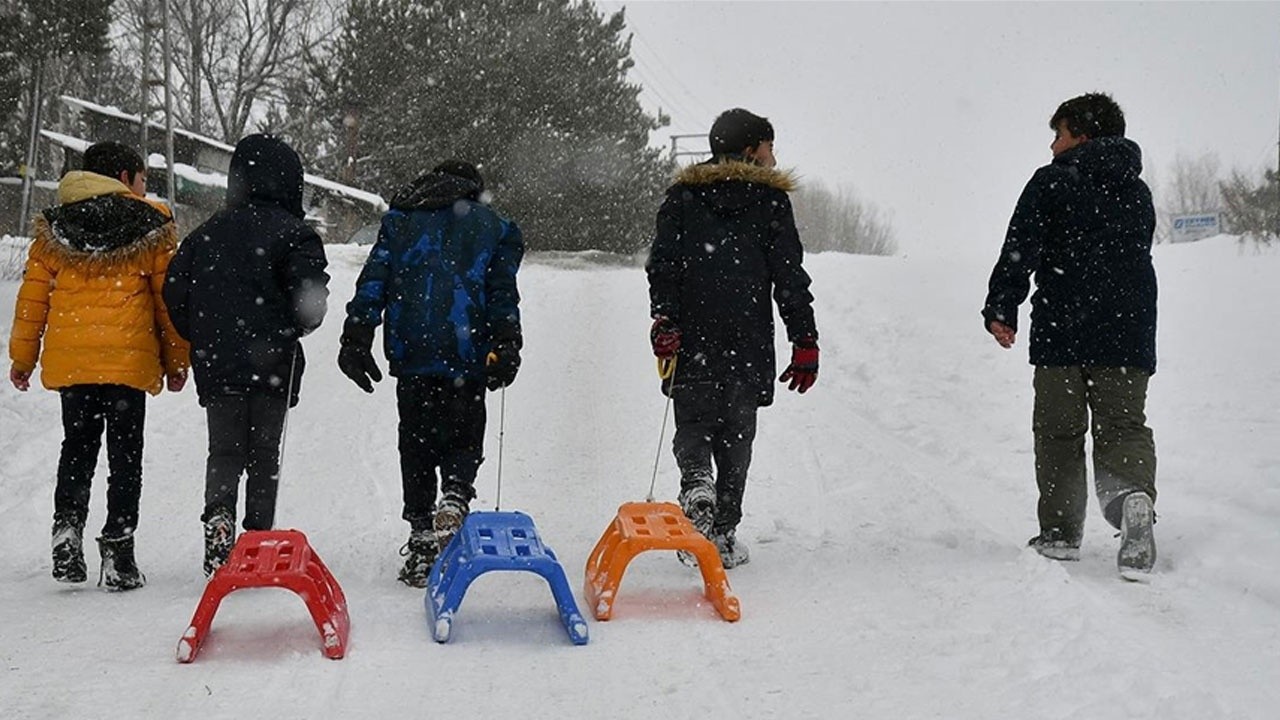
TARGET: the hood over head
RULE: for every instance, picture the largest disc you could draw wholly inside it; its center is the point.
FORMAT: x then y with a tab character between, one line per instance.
265	171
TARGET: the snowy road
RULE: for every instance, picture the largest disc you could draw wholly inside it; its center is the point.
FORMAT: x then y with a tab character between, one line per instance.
886	511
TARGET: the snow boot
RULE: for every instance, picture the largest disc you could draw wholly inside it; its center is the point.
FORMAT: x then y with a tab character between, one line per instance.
1137	554
219	538
699	505
1055	545
449	515
68	550
732	552
419	554
119	570
698	502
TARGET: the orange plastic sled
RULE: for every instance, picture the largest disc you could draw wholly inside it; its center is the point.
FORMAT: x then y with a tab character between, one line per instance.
653	526
274	558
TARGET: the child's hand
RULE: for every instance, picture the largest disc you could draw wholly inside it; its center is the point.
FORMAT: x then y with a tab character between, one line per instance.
1004	334
21	380
177	381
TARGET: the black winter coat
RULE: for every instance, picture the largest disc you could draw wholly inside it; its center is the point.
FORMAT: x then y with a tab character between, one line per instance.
726	240
1084	227
250	281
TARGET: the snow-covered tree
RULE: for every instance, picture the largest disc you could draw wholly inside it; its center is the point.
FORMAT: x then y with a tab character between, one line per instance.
840	221
533	91
1253	208
62	44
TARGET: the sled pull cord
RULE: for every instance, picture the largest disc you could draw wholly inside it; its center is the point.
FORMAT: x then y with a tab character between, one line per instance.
666	371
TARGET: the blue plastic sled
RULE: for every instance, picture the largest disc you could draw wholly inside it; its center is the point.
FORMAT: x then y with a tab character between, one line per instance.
496	541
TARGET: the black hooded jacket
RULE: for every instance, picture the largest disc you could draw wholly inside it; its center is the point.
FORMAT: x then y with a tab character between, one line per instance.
726	241
1084	227
250	281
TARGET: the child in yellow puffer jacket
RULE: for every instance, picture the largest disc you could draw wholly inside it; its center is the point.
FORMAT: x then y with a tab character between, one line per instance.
91	293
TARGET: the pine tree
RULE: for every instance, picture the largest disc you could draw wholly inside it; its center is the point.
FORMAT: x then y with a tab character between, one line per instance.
1253	209
533	91
63	42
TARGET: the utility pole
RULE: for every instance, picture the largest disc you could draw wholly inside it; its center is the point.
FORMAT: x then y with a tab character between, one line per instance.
171	188
144	113
150	81
29	170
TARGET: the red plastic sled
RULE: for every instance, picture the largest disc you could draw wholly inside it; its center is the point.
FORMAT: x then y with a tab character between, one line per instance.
274	558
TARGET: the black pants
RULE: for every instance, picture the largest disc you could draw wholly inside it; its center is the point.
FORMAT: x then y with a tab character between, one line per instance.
441	428
244	437
86	410
716	422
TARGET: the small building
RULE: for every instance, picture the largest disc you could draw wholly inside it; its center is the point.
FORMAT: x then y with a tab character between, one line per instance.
200	172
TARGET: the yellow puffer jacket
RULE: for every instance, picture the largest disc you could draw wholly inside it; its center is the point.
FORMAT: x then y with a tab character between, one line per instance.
93	294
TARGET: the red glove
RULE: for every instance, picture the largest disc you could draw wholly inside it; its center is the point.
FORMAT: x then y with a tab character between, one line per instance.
803	370
664	336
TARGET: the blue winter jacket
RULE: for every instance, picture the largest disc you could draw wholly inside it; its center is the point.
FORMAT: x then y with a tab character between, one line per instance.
442	275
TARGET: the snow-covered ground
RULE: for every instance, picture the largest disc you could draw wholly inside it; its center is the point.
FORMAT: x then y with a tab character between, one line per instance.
886	512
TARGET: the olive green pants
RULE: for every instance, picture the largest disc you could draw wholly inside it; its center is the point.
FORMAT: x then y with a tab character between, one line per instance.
1110	401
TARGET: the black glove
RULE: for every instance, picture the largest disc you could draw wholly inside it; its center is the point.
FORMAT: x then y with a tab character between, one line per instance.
355	357
501	365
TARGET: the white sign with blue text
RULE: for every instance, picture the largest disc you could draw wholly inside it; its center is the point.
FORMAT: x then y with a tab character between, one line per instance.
1186	228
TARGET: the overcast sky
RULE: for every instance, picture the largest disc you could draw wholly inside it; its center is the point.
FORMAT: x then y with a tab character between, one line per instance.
938	112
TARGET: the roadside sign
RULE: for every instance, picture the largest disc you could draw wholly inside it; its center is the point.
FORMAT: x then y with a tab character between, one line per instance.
1187	228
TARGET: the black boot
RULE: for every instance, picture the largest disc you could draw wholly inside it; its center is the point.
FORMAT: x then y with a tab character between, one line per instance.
68	550
419	554
219	538
119	569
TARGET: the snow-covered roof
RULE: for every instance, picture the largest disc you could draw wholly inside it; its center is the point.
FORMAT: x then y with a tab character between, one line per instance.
364	196
66	141
188	172
115	112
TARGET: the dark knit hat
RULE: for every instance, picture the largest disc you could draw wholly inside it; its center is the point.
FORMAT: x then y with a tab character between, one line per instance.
464	170
738	129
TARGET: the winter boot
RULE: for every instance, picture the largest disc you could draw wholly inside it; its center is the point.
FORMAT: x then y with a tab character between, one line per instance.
698	501
419	554
1055	545
1137	554
68	550
119	570
219	538
699	505
732	552
449	515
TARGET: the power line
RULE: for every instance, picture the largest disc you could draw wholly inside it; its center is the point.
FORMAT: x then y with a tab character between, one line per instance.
675	82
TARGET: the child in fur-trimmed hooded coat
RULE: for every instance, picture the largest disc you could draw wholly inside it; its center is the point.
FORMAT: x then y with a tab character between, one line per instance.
91	295
726	241
244	288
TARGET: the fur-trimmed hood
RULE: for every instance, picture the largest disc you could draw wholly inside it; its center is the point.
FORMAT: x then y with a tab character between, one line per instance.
729	186
101	222
62	251
726	170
